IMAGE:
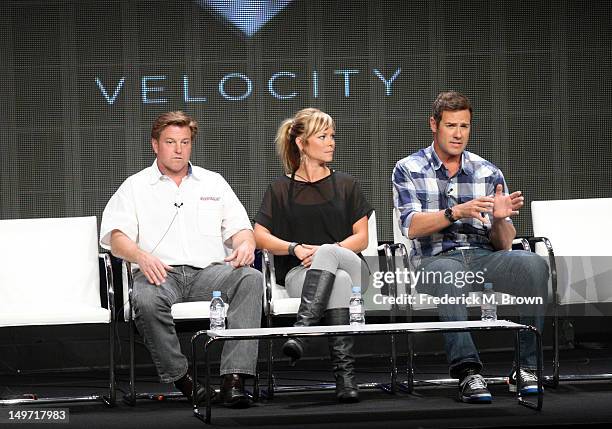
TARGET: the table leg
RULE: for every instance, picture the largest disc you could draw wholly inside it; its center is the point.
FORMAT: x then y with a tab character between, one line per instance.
194	354
207	381
539	361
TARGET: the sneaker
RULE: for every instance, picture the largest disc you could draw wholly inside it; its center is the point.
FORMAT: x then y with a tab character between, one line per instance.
473	389
529	382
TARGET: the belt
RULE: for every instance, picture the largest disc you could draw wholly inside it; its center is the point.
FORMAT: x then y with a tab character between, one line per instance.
188	266
454	249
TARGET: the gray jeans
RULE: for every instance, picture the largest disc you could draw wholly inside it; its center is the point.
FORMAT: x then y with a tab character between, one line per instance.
241	288
344	263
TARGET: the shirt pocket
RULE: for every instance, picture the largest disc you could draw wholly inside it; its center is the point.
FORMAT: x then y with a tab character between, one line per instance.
210	217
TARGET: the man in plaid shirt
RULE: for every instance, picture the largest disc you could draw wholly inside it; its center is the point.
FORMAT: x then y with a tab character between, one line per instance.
455	209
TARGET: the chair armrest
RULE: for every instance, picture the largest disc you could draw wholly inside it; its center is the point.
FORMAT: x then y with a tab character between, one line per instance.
391	251
110	282
521	243
269	278
130	288
533	240
551	262
403	251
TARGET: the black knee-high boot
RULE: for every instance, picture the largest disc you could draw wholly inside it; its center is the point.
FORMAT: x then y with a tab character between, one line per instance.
315	295
343	360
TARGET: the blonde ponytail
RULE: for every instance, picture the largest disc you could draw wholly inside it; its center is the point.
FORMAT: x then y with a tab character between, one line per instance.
304	124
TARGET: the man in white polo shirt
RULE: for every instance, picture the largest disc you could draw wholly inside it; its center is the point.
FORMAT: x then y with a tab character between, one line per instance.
175	221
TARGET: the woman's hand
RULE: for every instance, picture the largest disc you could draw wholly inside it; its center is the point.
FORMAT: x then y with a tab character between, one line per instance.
305	253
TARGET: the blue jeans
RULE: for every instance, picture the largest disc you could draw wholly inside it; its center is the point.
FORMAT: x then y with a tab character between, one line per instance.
241	288
518	273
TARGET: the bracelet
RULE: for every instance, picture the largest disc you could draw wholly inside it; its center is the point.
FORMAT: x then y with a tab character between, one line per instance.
338	244
291	249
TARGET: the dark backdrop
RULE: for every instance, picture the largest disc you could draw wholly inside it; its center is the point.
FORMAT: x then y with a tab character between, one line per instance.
81	82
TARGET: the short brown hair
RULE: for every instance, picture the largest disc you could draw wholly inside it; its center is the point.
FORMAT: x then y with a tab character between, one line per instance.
178	118
304	124
449	101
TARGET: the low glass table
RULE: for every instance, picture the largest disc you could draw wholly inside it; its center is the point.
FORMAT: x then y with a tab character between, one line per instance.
374	329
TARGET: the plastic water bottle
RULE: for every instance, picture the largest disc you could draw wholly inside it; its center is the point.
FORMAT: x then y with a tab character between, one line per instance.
217	312
356	310
488	304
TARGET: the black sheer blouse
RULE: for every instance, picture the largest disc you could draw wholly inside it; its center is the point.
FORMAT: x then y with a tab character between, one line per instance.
311	212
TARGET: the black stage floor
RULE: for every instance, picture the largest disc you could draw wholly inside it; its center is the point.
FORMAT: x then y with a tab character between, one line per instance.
571	404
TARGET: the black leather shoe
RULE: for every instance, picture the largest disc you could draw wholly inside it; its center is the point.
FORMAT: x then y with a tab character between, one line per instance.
232	392
185	385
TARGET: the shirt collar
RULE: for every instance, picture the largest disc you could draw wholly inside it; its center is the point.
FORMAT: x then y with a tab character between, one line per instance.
432	157
466	164
434	160
156	174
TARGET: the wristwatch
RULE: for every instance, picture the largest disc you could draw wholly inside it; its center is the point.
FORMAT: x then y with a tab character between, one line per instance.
291	249
448	214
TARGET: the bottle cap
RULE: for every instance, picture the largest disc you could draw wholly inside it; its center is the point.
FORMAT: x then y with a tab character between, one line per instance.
488	286
356	289
217	294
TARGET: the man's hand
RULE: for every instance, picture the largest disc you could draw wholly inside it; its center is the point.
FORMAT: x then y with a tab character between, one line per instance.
152	267
305	253
474	209
243	255
506	205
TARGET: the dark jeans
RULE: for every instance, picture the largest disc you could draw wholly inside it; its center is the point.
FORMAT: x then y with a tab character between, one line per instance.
518	273
240	288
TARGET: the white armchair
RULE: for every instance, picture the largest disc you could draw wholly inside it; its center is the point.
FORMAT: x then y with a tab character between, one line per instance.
278	303
402	247
37	290
575	236
182	311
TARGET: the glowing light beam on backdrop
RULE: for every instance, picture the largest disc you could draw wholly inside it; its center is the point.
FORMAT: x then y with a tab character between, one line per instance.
246	15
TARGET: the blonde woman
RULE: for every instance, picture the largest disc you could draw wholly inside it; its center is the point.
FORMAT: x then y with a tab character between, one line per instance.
315	221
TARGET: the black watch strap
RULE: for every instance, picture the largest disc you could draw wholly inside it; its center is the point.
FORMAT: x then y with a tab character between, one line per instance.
448	214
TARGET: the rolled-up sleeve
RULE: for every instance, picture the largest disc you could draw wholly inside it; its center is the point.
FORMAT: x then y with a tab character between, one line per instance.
120	214
235	217
405	196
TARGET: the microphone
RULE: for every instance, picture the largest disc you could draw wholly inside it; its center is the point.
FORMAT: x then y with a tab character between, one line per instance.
178	205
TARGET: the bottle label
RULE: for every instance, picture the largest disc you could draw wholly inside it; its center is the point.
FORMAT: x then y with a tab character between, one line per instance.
217	314
355	309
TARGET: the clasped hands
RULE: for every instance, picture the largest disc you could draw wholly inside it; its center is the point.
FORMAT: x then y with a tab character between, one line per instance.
305	253
500	205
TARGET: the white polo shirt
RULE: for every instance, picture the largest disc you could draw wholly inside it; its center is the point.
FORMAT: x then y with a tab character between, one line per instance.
181	225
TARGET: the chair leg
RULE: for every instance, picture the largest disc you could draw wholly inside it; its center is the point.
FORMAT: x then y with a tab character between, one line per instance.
270	364
410	364
256	390
393	365
555	328
131	399
112	388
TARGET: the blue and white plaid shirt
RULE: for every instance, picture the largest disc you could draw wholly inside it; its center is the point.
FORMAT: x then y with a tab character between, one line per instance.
421	184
